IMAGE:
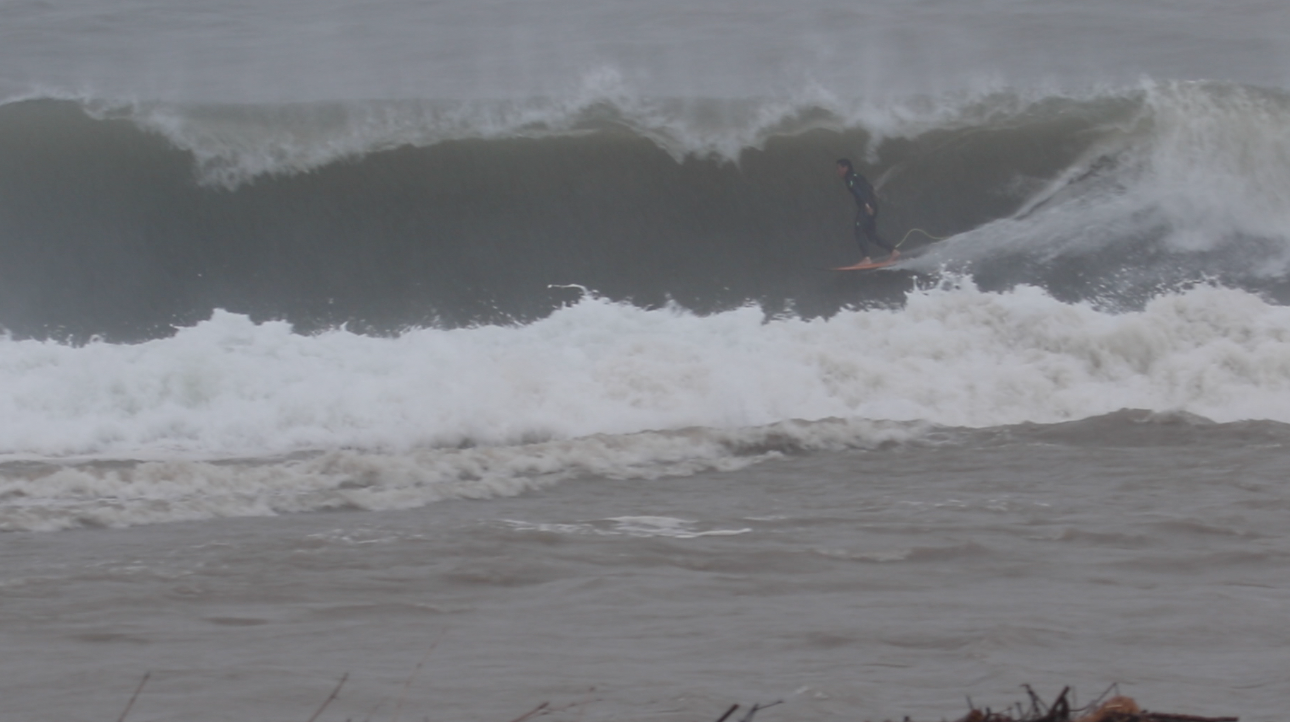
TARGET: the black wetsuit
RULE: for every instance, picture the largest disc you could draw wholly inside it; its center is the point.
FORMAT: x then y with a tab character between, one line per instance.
866	222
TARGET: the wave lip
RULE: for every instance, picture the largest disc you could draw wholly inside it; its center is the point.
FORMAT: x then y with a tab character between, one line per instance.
1188	183
232	144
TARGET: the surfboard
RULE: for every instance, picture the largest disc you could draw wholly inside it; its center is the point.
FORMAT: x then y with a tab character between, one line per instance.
865	266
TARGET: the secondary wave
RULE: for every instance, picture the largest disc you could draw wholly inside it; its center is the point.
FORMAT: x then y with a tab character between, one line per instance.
953	355
234	418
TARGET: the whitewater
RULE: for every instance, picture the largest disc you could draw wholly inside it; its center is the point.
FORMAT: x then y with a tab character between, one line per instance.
952	355
404	418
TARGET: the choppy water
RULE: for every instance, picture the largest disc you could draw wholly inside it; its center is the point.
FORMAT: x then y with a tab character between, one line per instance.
497	338
1141	549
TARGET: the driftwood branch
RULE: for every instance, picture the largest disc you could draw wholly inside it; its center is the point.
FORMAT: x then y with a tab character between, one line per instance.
533	712
729	712
329	699
134	696
757	708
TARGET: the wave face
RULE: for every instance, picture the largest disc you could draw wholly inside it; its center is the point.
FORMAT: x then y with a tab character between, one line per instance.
126	221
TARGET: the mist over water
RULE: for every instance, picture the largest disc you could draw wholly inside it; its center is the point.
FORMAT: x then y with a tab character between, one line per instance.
334	333
289	52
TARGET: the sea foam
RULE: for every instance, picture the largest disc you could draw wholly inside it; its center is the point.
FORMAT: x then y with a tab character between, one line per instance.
953	355
234	418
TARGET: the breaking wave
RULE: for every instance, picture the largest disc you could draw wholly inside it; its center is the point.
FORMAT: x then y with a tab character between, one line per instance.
234	418
128	220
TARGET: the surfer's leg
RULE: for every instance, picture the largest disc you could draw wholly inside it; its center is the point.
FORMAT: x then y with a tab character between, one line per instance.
862	234
871	234
892	253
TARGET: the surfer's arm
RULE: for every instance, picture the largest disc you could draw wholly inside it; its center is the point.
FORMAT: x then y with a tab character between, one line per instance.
865	196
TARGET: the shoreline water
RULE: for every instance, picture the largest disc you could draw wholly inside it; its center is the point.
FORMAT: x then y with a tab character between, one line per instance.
889	581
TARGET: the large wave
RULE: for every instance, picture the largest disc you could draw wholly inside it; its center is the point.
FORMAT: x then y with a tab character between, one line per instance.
127	221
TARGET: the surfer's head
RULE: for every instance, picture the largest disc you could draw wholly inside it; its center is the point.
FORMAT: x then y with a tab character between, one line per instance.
844	167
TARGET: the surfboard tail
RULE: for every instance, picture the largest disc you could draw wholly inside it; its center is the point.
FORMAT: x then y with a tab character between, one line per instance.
864	266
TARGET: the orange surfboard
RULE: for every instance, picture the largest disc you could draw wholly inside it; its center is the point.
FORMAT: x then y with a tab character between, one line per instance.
865	266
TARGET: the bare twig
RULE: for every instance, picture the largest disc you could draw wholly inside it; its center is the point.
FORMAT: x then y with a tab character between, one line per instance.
757	708
406	685
582	706
1112	691
729	712
1037	706
134	696
372	713
533	712
1060	711
334	692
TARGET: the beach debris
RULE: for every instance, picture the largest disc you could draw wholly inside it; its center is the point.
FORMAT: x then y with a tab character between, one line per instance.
1107	708
1117	708
751	711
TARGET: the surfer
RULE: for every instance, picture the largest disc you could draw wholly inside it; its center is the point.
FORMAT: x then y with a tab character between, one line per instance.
866	212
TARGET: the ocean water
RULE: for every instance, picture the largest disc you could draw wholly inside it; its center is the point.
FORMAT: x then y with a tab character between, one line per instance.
487	353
